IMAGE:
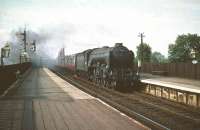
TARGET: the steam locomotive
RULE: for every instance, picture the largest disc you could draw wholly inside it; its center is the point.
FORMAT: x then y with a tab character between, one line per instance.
107	66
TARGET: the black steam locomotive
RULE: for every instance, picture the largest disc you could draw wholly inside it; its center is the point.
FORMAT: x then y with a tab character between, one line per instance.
107	66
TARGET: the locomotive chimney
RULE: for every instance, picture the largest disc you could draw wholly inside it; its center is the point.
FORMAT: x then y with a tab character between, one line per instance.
118	44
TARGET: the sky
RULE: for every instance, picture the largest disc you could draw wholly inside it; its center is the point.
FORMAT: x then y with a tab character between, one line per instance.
82	24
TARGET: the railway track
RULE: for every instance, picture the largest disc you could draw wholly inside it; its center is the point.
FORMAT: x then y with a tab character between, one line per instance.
154	112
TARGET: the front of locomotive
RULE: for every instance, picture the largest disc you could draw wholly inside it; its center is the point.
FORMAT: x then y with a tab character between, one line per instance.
122	65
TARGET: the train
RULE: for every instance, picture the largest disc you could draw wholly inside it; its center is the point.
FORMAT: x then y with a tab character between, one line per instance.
111	67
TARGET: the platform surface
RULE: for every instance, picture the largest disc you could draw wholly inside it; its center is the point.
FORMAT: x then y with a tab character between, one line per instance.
189	85
44	101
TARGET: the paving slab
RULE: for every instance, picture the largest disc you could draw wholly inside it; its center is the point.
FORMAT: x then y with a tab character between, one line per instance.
44	101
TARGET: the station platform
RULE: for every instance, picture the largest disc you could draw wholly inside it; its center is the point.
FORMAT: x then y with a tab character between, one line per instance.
188	85
44	101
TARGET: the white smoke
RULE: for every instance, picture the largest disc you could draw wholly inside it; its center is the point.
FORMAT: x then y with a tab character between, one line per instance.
50	39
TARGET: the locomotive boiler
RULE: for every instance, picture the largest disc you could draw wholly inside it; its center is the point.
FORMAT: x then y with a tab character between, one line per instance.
107	66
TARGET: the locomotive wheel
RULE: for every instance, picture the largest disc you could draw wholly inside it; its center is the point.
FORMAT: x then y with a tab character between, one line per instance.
90	78
114	84
132	84
104	83
98	81
95	80
108	84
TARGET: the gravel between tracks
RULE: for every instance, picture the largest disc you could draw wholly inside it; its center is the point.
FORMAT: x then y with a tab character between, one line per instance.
172	115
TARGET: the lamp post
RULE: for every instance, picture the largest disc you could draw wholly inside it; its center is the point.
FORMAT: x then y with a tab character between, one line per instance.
193	54
33	46
5	52
194	61
2	52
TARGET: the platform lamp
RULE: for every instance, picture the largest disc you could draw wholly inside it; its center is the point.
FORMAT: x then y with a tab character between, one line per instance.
33	46
194	61
5	52
193	54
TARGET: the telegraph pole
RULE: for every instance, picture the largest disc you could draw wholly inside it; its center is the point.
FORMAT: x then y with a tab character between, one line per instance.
2	57
63	56
140	62
40	61
141	35
33	44
24	39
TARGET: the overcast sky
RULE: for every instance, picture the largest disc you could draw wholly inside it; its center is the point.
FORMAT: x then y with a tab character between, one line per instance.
83	24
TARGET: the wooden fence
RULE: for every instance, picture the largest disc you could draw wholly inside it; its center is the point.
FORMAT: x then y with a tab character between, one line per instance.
8	74
183	70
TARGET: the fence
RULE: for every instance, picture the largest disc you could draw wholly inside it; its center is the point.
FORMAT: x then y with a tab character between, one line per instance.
183	70
8	74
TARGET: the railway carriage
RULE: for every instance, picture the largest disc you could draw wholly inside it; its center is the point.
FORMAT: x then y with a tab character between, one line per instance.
70	62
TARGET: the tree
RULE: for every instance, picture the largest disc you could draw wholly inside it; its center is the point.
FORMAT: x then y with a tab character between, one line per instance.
144	52
157	57
181	50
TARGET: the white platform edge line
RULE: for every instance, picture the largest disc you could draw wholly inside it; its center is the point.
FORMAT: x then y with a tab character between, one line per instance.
104	103
167	84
